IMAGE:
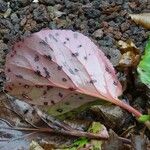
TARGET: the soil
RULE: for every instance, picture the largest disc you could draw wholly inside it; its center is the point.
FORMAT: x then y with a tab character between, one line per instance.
104	21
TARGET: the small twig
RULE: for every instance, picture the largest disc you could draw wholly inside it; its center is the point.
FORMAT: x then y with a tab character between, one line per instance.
72	133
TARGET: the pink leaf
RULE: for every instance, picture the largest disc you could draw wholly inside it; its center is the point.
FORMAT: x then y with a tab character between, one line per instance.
55	65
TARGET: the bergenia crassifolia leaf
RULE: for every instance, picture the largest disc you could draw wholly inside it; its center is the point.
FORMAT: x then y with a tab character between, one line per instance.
144	66
52	66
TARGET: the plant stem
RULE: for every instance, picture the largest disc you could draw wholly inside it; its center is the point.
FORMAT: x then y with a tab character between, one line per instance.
129	108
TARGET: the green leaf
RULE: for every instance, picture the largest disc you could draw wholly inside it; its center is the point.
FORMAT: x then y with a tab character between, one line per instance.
144	118
144	66
81	142
95	127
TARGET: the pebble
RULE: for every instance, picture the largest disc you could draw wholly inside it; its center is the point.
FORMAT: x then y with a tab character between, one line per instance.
92	13
98	33
3	6
40	14
125	26
14	18
47	2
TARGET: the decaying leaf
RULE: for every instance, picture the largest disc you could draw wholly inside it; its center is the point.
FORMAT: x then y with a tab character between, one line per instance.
142	19
53	66
113	143
130	54
111	116
128	46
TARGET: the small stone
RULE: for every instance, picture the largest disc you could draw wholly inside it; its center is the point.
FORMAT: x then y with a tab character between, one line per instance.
92	13
112	114
3	6
47	2
30	25
113	54
98	33
132	5
125	26
3	49
16	4
14	18
105	24
40	14
23	21
117	35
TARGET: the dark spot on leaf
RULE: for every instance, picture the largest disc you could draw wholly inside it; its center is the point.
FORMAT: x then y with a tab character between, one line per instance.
67	39
18	45
59	67
12	84
8	70
71	71
44	92
60	94
37	72
36	58
46	72
71	89
51	36
43	43
10	88
76	70
79	46
107	69
52	102
19	76
19	83
93	81
80	97
115	83
48	57
26	86
85	57
143	70
49	87
75	54
26	111
60	110
65	42
64	79
45	103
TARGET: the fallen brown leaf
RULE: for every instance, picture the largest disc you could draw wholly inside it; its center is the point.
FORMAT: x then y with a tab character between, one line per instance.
142	19
130	54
